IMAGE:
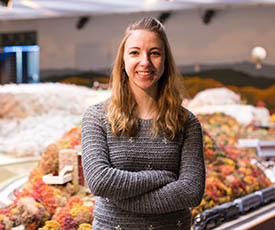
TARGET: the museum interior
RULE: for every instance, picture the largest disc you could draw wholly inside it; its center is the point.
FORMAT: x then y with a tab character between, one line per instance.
56	60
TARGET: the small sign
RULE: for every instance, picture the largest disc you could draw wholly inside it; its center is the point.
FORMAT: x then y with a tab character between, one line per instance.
247	142
18	39
266	148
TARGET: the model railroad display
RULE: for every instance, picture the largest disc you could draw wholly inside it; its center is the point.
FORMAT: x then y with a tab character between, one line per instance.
217	215
56	195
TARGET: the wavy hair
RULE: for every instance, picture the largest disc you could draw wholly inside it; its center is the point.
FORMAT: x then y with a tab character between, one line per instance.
122	108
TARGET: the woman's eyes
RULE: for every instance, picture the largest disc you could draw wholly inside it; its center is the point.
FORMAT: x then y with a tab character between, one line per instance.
153	53
134	53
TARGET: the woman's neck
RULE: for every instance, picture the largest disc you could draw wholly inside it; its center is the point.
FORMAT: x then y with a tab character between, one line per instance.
146	105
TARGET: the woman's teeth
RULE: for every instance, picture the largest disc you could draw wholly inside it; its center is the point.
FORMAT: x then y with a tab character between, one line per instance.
144	73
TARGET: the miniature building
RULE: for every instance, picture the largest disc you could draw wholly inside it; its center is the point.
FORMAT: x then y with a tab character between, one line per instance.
73	157
62	178
69	160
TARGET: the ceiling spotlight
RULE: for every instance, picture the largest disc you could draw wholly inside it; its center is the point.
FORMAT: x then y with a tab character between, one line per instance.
6	3
82	21
208	16
164	17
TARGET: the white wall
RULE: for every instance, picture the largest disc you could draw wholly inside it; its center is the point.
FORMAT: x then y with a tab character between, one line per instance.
229	37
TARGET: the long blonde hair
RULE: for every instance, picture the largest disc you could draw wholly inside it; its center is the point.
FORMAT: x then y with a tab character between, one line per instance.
122	108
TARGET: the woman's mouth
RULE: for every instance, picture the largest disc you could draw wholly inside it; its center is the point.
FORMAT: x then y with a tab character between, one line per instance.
145	74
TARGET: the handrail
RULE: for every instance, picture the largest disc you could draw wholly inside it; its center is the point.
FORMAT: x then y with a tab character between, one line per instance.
22	160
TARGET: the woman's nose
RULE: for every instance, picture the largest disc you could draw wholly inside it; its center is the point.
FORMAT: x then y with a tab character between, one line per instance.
145	60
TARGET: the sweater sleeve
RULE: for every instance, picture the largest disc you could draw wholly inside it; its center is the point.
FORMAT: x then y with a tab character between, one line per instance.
105	180
187	190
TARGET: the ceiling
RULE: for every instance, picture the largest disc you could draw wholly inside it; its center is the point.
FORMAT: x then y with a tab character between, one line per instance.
30	9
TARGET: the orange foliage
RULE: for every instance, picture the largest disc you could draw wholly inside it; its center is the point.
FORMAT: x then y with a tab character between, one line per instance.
193	85
249	94
85	81
76	81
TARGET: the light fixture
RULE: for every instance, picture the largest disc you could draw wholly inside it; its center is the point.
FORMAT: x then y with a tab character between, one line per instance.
6	3
258	54
150	2
164	16
82	21
208	16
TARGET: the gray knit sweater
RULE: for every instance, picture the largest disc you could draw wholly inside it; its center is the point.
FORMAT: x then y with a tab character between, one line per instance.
142	183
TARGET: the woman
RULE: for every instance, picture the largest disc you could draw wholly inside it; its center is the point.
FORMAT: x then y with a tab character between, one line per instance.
142	151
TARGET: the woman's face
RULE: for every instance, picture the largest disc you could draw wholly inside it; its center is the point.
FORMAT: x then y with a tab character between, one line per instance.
144	57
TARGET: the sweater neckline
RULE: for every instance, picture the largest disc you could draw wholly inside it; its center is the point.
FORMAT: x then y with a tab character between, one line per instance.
145	121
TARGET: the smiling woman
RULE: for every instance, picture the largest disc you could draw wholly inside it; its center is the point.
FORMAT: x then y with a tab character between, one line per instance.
144	58
142	152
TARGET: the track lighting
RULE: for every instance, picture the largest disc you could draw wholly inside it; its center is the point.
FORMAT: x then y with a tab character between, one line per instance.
5	3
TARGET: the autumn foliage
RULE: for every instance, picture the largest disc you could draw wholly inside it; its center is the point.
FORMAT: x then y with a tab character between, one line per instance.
249	95
190	86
